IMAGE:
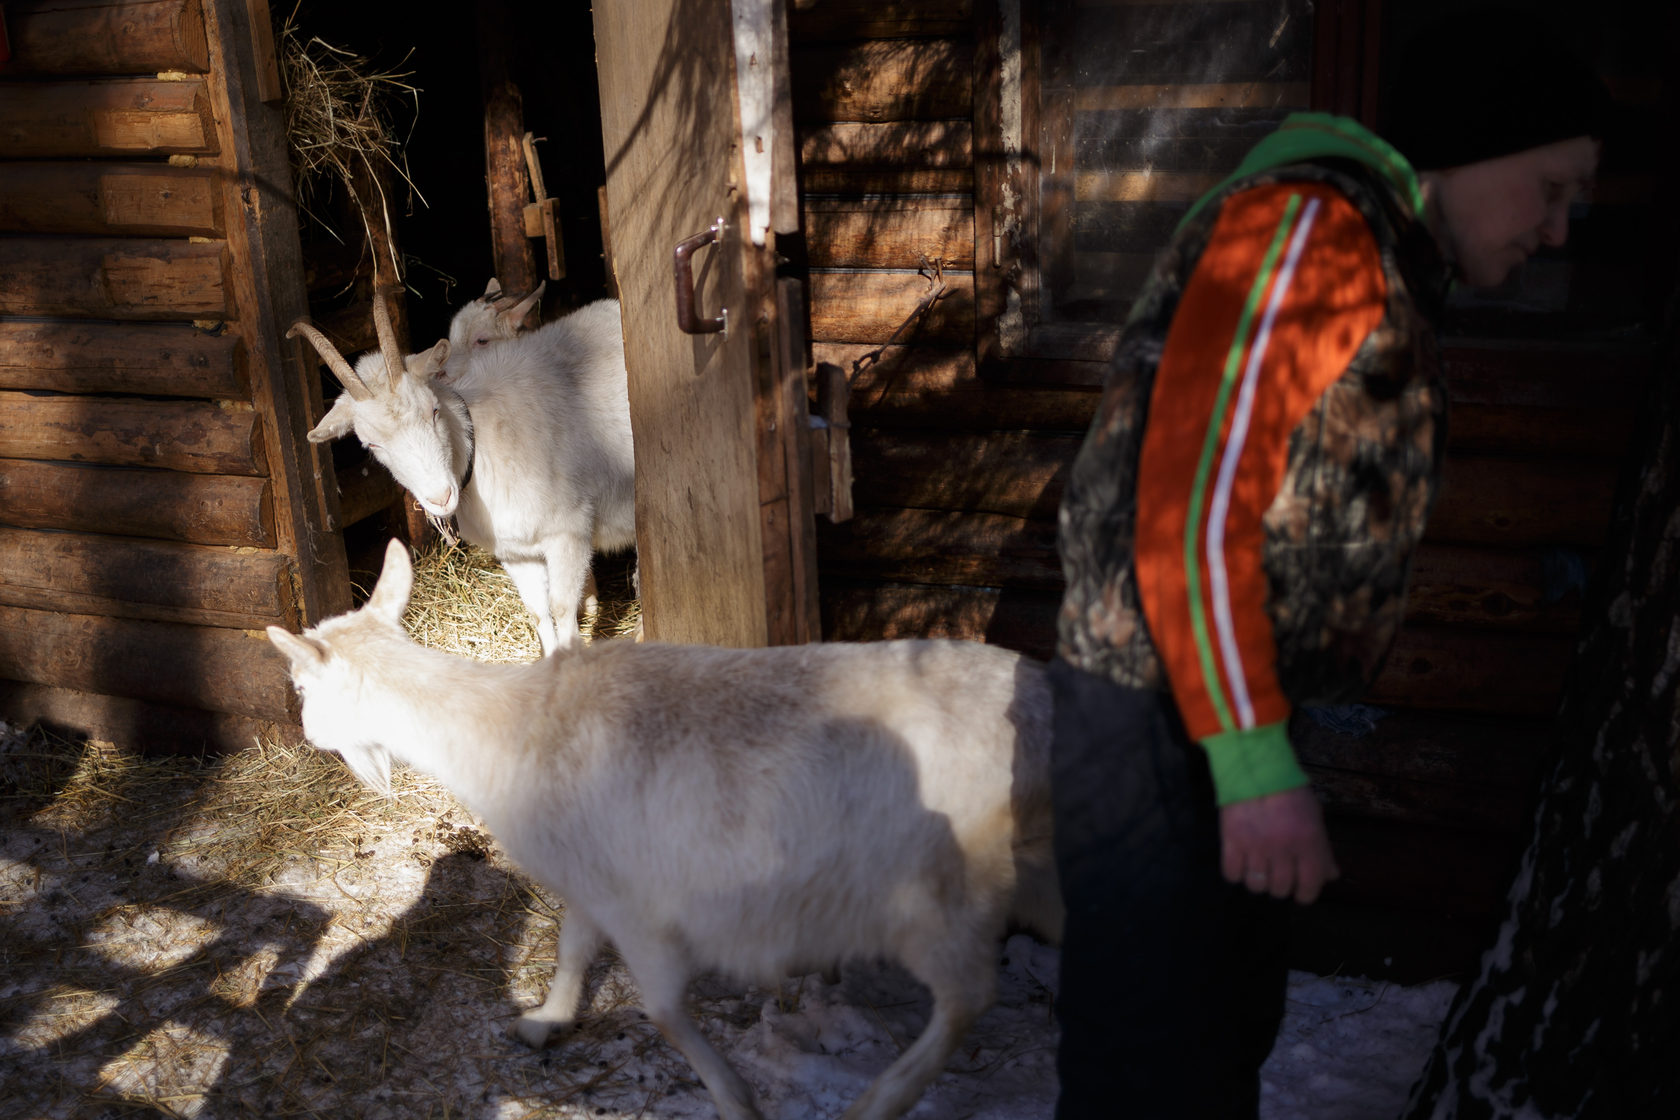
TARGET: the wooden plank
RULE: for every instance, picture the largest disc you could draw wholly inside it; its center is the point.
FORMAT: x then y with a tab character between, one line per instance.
108	37
176	435
1508	589
1583	433
130	200
848	181
928	387
82	573
877	19
1019	474
882	307
1148	185
919	144
1474	671
137	725
61	120
211	667
1449	750
128	501
154	359
884	80
1547	375
505	172
890	233
1487	499
108	278
269	292
1021	620
938	547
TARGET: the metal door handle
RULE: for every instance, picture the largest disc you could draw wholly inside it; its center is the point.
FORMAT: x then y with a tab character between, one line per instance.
684	261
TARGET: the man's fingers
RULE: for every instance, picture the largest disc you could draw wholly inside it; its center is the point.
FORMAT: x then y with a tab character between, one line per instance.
1281	880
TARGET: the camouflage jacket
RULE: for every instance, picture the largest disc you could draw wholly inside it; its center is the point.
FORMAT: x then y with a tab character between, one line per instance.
1358	476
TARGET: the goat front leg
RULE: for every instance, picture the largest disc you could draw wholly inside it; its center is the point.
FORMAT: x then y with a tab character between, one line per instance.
530	578
566	558
578	944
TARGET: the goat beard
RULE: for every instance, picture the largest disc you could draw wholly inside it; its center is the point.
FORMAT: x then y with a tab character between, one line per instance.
445	527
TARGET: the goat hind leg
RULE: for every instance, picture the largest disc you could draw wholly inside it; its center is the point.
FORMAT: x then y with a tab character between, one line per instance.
579	941
662	977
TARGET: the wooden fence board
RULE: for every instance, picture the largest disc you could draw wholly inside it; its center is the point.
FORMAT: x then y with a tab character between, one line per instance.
880	307
128	200
1453	669
152	728
154	359
113	119
177	435
113	278
84	37
84	573
1022	620
128	501
878	19
890	233
922	144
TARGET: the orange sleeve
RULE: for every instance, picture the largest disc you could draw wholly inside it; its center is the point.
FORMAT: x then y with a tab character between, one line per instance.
1288	287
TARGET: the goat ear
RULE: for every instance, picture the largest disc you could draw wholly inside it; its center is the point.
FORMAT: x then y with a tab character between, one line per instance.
340	420
300	649
429	363
515	315
396	581
492	290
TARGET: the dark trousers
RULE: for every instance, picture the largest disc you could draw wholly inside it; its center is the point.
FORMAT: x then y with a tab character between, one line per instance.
1172	979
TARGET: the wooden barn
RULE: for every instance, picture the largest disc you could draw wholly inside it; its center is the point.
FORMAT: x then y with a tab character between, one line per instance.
900	282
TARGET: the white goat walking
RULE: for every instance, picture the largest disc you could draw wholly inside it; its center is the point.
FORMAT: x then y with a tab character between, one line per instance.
528	447
759	812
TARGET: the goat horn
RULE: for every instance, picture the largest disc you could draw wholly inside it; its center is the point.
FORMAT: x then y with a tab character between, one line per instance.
341	369
394	364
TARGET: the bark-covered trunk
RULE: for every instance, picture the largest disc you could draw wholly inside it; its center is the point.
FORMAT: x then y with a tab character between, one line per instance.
1576	1012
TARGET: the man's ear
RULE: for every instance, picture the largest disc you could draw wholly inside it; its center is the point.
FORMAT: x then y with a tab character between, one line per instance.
340	420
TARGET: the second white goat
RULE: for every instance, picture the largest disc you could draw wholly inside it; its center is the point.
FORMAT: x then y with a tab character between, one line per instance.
528	447
759	812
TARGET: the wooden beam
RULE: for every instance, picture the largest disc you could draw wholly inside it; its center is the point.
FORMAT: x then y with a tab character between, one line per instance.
166	505
878	19
918	144
114	119
504	153
154	359
103	199
113	278
84	573
884	80
83	37
177	435
883	307
890	233
138	725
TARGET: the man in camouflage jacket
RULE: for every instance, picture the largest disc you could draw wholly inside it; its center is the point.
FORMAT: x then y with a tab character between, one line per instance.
1236	533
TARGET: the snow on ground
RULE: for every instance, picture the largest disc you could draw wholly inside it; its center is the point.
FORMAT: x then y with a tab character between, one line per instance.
375	969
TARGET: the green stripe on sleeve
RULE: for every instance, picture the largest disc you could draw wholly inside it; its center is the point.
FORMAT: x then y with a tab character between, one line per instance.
1252	763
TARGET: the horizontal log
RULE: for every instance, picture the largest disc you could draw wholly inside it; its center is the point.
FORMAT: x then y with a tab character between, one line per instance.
211	667
106	278
851	182
1020	474
882	307
107	37
883	80
890	233
1021	620
128	200
154	359
933	547
1284	96
926	387
1507	589
1549	375
878	19
84	573
193	436
1486	499
63	120
132	502
1173	43
1489	754
1461	670
136	725
921	144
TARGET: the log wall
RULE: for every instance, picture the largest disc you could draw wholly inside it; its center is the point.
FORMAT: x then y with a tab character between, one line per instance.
158	504
961	438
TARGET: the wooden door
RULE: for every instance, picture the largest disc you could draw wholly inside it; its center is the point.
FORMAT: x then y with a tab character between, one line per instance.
724	526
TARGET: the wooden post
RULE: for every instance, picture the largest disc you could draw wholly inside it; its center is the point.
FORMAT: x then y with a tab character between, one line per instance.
504	151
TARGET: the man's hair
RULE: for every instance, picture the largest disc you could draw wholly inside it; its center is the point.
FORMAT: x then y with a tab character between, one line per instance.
1487	82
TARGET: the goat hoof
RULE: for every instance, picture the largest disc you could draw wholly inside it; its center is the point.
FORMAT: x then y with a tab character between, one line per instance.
534	1031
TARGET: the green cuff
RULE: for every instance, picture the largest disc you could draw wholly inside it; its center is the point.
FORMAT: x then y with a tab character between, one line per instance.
1252	762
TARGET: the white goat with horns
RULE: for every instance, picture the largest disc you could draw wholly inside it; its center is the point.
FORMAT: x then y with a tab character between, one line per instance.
528	447
760	812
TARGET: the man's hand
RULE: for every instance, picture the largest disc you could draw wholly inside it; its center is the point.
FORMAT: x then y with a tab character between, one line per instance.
1276	845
